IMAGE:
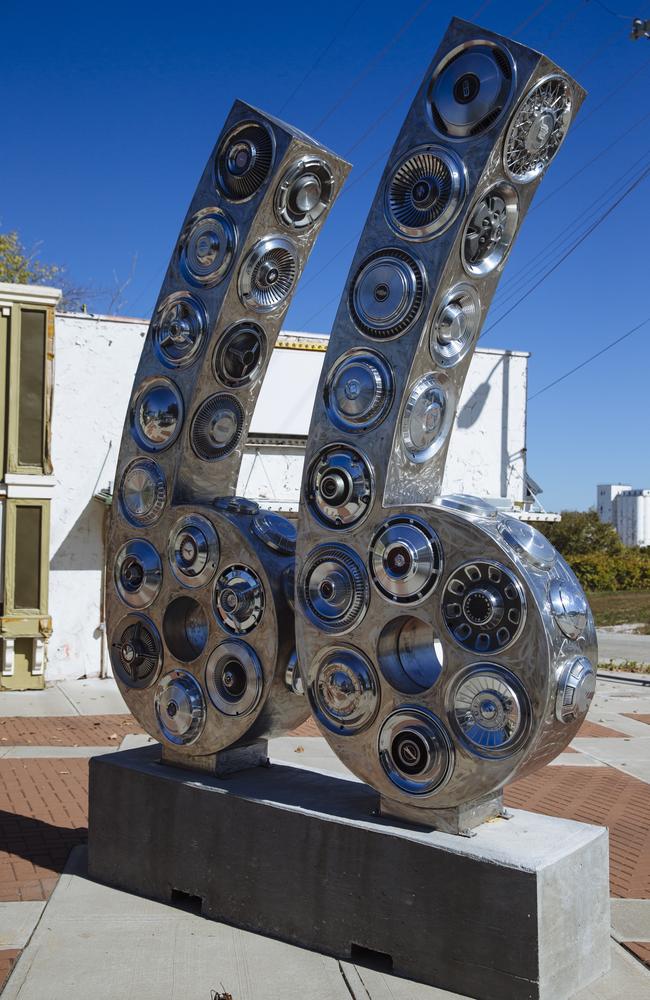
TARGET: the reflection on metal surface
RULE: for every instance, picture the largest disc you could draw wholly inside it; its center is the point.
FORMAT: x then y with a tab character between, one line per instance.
293	676
239	599
138	573
467	504
529	543
405	559
207	247
425	192
426	418
410	655
415	750
240	355
387	293
471	89
179	327
484	606
491	710
136	651
345	691
304	193
569	607
277	532
334	588
193	550
455	325
340	486
244	160
575	690
536	132
143	492
490	229
217	427
234	678
180	707
268	274
359	391
185	628
157	414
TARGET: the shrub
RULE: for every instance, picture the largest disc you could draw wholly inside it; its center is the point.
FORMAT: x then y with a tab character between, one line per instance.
629	570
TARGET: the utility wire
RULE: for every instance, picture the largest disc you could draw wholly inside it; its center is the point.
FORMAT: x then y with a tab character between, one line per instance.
372	63
622	17
588	360
325	52
519	279
604	215
589	162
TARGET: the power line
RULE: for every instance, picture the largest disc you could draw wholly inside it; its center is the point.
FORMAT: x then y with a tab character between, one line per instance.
592	111
372	63
622	17
589	162
588	360
519	279
325	51
571	249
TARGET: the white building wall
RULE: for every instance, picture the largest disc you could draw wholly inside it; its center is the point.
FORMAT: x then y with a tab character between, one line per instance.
487	453
632	517
606	494
95	362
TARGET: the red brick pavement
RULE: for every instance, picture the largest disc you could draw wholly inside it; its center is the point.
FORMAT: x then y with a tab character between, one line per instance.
43	815
638	716
640	949
599	795
8	958
68	731
591	729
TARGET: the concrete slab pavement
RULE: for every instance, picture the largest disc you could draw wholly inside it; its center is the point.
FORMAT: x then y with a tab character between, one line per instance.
17	923
621	646
82	697
630	919
155	952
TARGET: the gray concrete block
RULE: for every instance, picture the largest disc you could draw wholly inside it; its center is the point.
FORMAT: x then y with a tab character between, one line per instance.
518	912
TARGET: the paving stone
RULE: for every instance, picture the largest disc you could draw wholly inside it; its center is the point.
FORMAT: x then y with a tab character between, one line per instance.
597	795
69	731
8	958
631	919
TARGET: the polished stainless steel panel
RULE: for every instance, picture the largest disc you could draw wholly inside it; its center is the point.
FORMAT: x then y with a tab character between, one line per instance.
207	666
482	642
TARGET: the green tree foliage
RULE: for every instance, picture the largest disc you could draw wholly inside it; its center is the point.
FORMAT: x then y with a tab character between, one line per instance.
21	266
581	533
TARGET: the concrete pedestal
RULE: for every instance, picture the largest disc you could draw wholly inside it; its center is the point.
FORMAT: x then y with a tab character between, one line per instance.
518	912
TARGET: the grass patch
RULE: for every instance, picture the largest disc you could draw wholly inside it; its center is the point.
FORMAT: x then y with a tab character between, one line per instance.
621	607
628	666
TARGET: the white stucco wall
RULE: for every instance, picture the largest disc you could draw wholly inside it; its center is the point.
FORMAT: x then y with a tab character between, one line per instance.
95	361
487	454
94	364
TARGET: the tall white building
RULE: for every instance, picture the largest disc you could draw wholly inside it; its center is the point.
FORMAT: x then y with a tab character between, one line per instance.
628	510
606	494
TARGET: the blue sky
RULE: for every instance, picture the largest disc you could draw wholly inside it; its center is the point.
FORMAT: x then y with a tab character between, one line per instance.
109	113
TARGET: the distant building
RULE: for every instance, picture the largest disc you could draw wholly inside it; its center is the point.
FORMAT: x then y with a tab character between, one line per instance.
627	509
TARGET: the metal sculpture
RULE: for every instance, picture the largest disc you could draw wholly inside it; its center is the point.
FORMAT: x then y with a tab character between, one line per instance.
199	616
445	647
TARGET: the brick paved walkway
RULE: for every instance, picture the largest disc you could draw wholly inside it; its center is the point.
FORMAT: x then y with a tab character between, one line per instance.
599	795
8	958
67	731
43	815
